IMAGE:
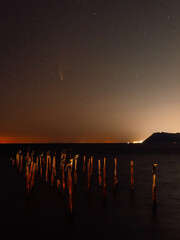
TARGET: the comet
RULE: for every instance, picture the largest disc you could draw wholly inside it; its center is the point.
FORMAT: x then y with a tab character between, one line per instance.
61	75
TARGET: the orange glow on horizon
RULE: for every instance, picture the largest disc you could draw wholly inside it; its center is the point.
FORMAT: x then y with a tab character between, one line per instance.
7	140
24	140
12	139
36	139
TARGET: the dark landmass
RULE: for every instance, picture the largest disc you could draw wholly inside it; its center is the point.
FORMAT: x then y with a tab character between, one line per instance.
163	137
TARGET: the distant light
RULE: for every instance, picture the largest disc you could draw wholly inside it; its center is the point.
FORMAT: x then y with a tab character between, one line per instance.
137	141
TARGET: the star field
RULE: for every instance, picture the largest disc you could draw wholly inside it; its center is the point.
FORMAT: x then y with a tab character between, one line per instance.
89	71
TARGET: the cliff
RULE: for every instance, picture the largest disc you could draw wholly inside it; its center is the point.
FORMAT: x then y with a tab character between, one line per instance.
163	137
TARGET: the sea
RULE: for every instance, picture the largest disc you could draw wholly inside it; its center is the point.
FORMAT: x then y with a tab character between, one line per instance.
119	214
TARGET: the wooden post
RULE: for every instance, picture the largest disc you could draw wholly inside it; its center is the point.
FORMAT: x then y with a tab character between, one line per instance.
40	162
32	155
63	178
31	168
88	175
21	163
115	173
52	177
47	163
17	159
70	188
104	178
91	165
37	159
63	158
69	166
75	172
54	166
33	175
99	172
29	172
13	161
27	156
132	174
27	179
58	184
84	164
154	184
53	173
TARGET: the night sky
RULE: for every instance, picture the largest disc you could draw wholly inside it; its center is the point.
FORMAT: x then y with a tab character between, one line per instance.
89	70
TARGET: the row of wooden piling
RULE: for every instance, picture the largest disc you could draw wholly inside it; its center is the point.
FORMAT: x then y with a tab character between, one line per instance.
32	167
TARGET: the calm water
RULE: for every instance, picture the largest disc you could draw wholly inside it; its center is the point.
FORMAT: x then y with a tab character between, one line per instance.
123	214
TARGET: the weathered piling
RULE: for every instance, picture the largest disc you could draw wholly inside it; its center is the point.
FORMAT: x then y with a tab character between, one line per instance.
18	158
12	161
69	183
32	155
84	164
63	158
31	168
21	163
40	163
75	170
47	169
154	184
91	167
37	160
53	173
54	166
132	174
88	175
104	178
99	173
115	173
63	179
58	184
33	176
49	162
52	177
27	179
